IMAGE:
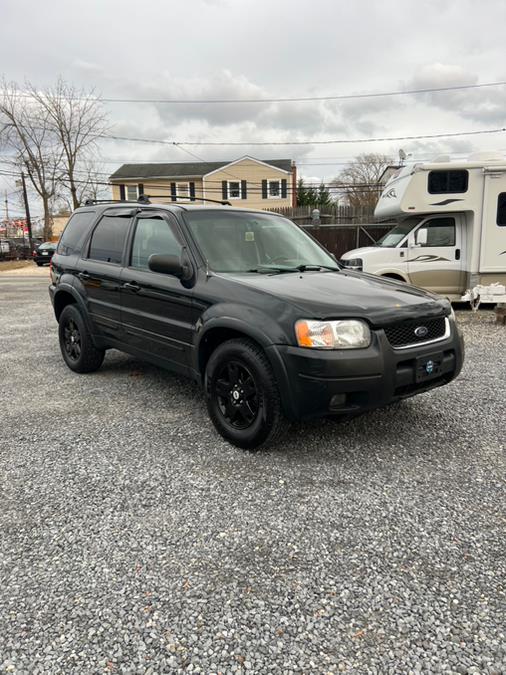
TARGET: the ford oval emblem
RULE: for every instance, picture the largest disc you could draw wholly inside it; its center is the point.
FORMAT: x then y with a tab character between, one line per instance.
421	331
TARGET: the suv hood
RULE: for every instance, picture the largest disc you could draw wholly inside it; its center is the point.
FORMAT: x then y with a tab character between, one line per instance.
342	294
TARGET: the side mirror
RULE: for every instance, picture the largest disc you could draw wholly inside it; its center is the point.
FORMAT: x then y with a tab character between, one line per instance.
168	264
421	237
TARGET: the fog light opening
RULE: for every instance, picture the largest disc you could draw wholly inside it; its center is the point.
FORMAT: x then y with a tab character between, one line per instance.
338	401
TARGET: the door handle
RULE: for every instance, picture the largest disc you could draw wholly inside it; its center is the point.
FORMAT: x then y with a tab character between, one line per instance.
457	254
83	276
132	286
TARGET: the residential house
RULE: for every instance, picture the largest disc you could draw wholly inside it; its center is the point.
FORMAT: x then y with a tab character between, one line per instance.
245	182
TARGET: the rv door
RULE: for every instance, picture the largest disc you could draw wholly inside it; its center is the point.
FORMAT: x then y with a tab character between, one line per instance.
435	260
493	233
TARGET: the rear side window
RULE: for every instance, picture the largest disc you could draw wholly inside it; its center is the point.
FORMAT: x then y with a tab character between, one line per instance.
75	232
108	239
501	209
443	182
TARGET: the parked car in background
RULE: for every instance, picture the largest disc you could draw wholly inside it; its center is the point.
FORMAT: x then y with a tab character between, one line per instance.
44	252
5	249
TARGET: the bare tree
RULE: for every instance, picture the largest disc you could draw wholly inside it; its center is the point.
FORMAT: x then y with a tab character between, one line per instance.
77	121
89	184
360	180
26	130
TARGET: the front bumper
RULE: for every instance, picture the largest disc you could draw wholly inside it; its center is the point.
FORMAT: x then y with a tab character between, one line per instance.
315	382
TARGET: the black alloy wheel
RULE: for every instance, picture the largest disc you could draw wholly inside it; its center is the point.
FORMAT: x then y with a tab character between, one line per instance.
242	395
72	340
237	394
77	347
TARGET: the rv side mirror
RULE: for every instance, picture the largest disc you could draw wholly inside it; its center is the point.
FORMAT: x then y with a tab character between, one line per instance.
421	237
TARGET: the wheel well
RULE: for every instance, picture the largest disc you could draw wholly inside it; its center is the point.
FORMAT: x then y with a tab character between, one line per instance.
61	300
397	277
214	338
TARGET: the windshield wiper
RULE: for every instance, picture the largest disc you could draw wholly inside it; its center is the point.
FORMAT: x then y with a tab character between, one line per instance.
272	269
316	267
266	269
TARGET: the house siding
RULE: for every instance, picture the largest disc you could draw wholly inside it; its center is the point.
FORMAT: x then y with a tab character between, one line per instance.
253	173
211	186
159	187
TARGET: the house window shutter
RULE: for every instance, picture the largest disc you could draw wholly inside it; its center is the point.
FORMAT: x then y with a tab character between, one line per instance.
122	192
224	189
283	188
192	192
264	189
140	189
173	194
244	190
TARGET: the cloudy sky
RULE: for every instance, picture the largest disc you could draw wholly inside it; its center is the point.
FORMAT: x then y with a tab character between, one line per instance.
203	49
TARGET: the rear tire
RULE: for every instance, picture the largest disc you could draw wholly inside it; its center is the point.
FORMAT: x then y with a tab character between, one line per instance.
76	344
39	264
242	395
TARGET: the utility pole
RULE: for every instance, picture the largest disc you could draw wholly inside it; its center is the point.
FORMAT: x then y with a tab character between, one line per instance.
6	215
27	211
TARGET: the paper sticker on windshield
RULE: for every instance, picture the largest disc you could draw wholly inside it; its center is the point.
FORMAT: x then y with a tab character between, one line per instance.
249	236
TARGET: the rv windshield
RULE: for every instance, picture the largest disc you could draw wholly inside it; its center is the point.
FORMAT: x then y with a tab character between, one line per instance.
396	235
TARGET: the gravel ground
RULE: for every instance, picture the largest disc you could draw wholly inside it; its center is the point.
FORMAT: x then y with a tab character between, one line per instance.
23	268
134	540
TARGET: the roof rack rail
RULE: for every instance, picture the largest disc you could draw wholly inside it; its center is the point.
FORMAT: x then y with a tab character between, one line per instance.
143	199
223	202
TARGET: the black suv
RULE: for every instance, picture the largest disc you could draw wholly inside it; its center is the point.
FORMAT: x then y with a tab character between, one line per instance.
251	306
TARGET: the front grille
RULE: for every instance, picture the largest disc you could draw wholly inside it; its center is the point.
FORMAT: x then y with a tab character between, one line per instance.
403	334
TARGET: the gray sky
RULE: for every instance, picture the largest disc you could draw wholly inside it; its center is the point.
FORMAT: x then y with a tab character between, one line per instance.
269	48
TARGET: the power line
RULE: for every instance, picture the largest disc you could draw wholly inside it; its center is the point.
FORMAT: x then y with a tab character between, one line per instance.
306	142
289	99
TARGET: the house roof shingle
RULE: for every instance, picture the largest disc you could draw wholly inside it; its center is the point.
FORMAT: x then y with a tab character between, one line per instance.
183	169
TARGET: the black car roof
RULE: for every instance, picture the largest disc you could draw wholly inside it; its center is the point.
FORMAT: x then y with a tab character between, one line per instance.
172	208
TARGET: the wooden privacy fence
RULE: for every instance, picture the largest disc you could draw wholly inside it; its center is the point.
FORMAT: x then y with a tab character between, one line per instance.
338	228
341	238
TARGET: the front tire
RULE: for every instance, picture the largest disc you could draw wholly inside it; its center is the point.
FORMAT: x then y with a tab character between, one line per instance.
242	395
76	344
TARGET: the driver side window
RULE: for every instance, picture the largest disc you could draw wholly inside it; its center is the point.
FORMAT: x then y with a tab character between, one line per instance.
153	236
436	232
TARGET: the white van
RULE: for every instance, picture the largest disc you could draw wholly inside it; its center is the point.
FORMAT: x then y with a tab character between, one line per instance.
451	227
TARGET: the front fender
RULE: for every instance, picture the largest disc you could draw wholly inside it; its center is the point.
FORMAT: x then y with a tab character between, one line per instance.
258	326
255	323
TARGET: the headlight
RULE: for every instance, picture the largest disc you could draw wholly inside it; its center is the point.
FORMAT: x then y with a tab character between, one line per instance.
354	263
345	334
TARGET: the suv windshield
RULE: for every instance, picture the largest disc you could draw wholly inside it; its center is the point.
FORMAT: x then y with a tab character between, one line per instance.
397	234
254	242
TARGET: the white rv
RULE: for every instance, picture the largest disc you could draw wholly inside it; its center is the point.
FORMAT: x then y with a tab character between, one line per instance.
450	235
